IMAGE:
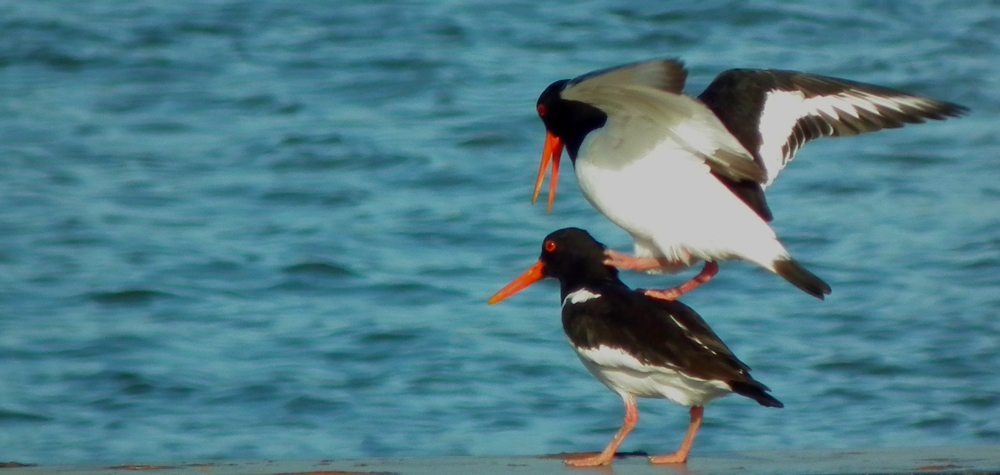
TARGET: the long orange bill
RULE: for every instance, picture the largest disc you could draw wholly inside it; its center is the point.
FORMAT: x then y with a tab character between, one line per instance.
530	276
551	152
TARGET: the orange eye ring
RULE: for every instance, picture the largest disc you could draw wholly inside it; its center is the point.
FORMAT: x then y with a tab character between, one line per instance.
541	110
549	246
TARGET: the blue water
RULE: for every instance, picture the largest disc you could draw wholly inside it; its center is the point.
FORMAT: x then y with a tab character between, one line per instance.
268	230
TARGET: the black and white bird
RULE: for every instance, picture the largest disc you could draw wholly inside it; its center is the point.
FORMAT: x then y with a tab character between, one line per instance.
686	176
637	345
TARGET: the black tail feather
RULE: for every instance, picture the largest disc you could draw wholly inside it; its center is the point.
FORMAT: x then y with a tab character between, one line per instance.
801	277
755	391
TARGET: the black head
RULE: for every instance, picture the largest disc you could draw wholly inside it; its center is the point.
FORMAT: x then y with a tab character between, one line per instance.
570	121
573	256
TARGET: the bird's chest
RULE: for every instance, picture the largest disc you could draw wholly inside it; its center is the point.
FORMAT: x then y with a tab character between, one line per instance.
638	192
623	373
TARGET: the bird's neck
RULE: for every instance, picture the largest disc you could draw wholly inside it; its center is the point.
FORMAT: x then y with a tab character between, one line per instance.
574	281
576	120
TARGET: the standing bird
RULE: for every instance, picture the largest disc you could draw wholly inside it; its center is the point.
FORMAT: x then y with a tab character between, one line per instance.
685	176
638	346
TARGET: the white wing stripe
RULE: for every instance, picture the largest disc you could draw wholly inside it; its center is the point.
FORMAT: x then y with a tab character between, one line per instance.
836	104
869	99
864	103
783	109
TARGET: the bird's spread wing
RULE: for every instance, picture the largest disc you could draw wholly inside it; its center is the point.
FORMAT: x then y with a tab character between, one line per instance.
646	109
773	113
663	74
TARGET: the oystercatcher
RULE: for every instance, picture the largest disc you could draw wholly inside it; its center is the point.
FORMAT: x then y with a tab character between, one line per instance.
685	176
637	345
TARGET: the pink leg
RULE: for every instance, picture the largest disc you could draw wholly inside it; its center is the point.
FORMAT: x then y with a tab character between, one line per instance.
706	274
681	455
638	264
604	458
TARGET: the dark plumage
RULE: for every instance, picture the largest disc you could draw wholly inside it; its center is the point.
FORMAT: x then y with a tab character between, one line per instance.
636	345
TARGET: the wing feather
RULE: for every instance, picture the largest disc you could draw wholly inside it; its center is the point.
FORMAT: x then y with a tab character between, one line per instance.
773	113
651	116
666	75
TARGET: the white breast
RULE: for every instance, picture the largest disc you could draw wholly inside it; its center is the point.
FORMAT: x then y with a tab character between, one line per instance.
670	203
624	374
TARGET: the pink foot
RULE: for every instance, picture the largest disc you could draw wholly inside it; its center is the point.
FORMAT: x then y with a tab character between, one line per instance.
593	461
681	455
675	457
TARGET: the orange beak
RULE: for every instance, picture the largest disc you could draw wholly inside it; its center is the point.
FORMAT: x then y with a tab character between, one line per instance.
551	152
530	276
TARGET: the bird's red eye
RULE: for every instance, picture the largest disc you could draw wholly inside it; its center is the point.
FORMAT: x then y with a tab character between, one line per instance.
549	246
541	110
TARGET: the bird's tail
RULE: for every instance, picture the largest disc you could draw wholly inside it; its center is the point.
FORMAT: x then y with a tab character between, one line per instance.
800	277
756	391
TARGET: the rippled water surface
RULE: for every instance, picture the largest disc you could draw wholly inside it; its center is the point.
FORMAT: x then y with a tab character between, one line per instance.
268	230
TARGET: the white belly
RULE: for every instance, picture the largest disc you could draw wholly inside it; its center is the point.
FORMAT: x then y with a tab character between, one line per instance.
623	374
674	208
